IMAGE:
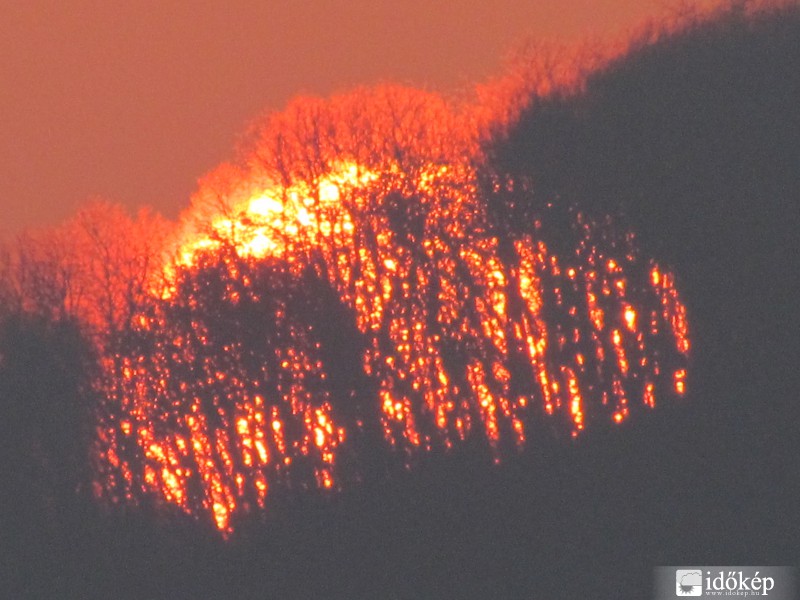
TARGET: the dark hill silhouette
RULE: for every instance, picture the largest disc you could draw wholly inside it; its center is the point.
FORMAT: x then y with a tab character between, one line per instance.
694	137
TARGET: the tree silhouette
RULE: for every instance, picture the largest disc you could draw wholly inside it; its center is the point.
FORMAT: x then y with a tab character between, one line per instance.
68	297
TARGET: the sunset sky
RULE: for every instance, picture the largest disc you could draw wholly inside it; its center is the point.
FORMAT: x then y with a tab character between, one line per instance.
134	101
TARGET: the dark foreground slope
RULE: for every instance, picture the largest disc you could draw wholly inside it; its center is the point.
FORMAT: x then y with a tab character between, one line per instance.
697	139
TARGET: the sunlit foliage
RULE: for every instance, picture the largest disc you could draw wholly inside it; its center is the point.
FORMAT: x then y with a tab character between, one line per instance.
353	285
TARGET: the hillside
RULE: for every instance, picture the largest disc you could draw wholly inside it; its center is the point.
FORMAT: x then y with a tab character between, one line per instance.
691	139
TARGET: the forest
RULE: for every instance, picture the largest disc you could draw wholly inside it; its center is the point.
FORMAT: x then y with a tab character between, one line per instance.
530	342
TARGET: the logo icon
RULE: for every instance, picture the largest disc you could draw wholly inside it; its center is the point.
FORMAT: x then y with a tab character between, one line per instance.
689	582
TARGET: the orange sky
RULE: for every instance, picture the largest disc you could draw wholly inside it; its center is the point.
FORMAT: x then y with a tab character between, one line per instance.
134	101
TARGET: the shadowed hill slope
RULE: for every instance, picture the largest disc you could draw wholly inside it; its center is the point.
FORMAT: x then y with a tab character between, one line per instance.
694	135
